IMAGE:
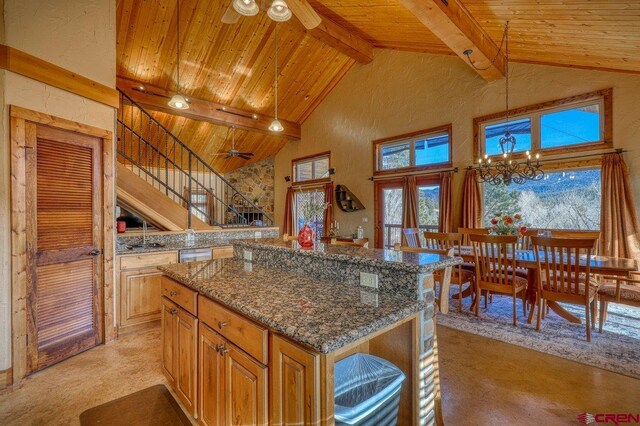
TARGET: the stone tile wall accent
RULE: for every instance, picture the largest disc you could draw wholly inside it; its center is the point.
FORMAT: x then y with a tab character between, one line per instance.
256	181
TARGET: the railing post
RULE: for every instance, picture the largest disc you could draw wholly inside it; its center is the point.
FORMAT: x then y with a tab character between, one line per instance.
189	195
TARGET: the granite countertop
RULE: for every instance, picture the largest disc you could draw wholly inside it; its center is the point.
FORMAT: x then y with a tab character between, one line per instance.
122	248
325	315
405	261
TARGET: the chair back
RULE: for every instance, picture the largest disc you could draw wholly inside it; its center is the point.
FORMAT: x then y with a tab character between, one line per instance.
524	242
568	233
354	243
558	262
466	232
443	300
442	240
494	265
411	237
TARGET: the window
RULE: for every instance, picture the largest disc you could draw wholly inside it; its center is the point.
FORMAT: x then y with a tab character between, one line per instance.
314	168
562	200
416	151
580	122
303	197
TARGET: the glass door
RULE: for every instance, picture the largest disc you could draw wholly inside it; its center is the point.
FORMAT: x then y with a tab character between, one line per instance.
388	214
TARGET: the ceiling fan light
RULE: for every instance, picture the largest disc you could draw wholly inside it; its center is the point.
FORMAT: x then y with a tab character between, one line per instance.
246	7
178	102
276	126
279	11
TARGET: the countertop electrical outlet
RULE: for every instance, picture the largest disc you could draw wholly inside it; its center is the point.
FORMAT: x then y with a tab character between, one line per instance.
369	280
247	255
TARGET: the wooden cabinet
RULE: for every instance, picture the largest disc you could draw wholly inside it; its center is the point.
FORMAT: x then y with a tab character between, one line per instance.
221	252
233	385
180	352
140	288
295	384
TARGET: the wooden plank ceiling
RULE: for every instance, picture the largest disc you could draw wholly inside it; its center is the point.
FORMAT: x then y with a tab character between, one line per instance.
233	64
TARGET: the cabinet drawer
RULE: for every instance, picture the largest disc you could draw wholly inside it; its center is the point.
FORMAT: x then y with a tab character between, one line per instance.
184	297
221	252
144	260
242	332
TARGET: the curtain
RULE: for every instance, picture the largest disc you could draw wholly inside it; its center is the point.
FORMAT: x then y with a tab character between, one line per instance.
471	201
328	213
446	211
618	215
409	203
287	227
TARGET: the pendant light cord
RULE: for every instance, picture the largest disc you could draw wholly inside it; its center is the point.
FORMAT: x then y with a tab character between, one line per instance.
276	61
178	43
506	71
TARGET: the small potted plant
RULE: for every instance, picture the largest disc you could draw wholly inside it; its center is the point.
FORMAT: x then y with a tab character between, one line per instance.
504	224
310	211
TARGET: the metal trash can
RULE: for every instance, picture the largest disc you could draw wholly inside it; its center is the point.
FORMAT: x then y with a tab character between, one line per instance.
367	391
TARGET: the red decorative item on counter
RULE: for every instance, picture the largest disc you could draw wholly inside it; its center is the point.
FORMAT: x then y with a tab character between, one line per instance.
305	236
121	226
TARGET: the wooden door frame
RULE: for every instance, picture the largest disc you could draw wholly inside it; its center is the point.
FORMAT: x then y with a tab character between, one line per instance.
20	118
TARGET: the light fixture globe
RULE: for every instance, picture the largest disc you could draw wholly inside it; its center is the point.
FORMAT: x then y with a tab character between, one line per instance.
279	11
276	126
246	7
178	102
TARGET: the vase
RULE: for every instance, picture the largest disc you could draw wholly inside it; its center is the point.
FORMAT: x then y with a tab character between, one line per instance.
305	236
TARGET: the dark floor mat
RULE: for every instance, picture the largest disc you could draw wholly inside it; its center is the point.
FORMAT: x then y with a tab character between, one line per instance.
151	406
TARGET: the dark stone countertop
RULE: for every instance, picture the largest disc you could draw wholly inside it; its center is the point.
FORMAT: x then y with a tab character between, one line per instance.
121	249
405	261
325	315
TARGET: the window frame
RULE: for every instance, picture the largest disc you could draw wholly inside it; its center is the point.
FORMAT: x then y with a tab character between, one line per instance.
310	158
536	111
412	138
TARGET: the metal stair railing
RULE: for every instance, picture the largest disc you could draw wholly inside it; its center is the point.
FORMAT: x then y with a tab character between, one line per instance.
153	153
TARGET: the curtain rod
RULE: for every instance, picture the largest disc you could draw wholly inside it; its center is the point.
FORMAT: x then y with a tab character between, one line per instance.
574	157
421	173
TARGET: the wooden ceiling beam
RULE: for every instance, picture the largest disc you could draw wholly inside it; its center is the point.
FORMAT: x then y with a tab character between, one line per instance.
343	40
156	98
456	27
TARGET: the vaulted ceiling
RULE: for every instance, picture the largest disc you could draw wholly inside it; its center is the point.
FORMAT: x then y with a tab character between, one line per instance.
233	65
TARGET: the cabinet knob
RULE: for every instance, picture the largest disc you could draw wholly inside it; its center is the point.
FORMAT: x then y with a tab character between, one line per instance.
172	293
222	324
221	349
173	311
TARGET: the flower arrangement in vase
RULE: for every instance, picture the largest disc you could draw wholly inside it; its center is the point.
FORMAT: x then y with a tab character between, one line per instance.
504	224
310	210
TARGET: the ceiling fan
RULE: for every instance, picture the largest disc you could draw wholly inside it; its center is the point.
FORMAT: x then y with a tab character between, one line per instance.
279	11
233	152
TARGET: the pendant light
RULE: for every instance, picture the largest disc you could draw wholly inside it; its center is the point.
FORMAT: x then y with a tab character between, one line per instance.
279	11
246	7
178	101
275	125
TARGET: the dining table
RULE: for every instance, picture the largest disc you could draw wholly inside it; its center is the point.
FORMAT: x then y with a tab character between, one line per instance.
526	259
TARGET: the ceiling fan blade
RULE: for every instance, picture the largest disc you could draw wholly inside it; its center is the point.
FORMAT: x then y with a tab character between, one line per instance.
250	154
244	157
228	156
305	13
230	15
221	153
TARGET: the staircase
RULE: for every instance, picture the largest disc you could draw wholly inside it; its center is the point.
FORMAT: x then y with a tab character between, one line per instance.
162	179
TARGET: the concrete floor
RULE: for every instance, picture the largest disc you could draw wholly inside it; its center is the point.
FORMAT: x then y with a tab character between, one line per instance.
484	382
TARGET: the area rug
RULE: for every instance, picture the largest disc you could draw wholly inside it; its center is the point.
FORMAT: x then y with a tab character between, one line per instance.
151	406
616	349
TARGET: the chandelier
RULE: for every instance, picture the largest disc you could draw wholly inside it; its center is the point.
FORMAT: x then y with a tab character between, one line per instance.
507	169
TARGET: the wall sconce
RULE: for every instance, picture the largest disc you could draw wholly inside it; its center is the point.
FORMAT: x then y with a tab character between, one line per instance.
287	178
331	171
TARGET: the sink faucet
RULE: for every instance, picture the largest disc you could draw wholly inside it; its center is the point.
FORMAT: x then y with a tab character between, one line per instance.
144	232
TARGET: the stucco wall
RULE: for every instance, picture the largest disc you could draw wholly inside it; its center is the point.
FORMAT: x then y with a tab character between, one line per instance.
401	92
78	35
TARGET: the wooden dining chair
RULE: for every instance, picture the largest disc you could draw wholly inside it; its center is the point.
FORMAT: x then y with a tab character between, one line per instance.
562	279
524	241
570	233
444	279
411	237
622	290
466	232
445	241
496	270
354	243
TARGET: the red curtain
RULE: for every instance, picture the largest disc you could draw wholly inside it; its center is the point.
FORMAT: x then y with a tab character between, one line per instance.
328	213
471	201
446	211
287	227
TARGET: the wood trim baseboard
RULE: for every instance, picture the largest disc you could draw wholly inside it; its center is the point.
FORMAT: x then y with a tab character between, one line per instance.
22	63
6	378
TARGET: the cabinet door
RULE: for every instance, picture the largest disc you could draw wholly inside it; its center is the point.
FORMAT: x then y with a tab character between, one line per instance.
295	384
245	389
186	351
221	252
169	359
211	377
140	292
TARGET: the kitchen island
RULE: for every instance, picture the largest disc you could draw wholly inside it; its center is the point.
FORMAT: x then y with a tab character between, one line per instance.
250	341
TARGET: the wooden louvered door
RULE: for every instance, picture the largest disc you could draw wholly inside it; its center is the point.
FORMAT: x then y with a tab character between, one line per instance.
64	244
